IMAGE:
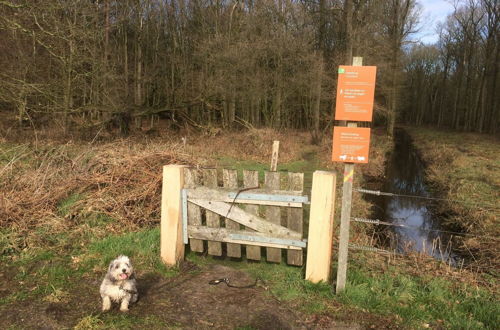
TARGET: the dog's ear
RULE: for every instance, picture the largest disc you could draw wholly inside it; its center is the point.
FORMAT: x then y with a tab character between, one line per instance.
111	265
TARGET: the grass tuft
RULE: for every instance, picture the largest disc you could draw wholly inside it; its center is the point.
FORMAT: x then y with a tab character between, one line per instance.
10	242
119	321
89	322
65	206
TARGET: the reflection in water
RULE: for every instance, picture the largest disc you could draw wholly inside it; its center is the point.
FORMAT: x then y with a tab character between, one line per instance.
406	177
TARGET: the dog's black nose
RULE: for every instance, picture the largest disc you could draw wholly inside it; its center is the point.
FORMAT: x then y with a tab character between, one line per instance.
124	270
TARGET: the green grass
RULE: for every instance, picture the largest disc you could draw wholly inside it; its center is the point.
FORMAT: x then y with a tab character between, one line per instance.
38	274
10	242
120	321
44	272
95	220
308	164
52	238
245	327
422	300
66	205
143	247
19	295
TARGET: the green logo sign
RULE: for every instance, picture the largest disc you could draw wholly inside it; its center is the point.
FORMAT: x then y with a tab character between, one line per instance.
341	70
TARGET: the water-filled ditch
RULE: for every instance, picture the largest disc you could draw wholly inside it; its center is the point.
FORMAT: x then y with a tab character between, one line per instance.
417	228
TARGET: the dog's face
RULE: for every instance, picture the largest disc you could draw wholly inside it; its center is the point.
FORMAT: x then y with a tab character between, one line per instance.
120	269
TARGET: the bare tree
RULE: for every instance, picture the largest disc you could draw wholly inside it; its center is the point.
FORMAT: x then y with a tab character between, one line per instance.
466	68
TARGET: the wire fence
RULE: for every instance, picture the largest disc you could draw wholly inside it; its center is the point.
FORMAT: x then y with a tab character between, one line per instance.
400	225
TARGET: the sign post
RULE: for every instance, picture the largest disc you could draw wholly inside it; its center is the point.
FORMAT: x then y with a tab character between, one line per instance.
355	93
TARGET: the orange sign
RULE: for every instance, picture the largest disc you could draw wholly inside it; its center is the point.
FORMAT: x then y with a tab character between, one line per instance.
355	92
351	144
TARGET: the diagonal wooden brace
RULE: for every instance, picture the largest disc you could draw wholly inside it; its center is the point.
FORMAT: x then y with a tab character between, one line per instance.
249	220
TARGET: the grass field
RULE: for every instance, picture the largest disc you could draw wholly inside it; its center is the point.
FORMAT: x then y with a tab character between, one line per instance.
68	209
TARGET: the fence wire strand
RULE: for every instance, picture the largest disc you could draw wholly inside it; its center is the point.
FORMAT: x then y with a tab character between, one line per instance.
468	204
385	223
368	248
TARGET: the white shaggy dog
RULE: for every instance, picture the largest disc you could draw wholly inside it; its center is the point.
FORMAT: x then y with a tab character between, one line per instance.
119	284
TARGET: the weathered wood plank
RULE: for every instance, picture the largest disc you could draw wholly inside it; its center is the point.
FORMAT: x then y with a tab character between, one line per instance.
273	213
221	195
345	215
171	242
250	180
223	235
230	180
213	219
319	245
274	156
191	179
295	218
237	214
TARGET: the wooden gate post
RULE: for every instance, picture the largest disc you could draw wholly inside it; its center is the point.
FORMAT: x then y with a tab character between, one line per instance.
319	245
345	213
274	156
171	242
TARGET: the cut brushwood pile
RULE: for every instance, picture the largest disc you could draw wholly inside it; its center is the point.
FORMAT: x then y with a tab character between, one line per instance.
120	180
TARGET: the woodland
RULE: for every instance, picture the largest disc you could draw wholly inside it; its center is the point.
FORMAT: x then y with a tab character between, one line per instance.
85	65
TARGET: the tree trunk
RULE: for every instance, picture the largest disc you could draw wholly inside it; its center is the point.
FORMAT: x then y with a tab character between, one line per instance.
277	107
316	134
443	93
391	120
139	64
67	99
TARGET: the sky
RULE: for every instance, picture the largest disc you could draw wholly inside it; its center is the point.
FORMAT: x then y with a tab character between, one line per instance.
433	11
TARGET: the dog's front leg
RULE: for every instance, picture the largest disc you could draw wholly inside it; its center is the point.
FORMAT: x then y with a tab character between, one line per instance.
124	304
106	303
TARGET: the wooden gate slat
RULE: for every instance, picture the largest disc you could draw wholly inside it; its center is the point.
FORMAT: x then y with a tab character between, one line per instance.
191	179
230	180
295	218
249	220
223	195
273	213
223	235
213	219
250	180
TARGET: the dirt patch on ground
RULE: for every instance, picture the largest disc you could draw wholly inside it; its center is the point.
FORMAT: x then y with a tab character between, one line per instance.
190	300
186	301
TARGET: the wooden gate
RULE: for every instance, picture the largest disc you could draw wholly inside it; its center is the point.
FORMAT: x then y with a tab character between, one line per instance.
214	214
246	217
